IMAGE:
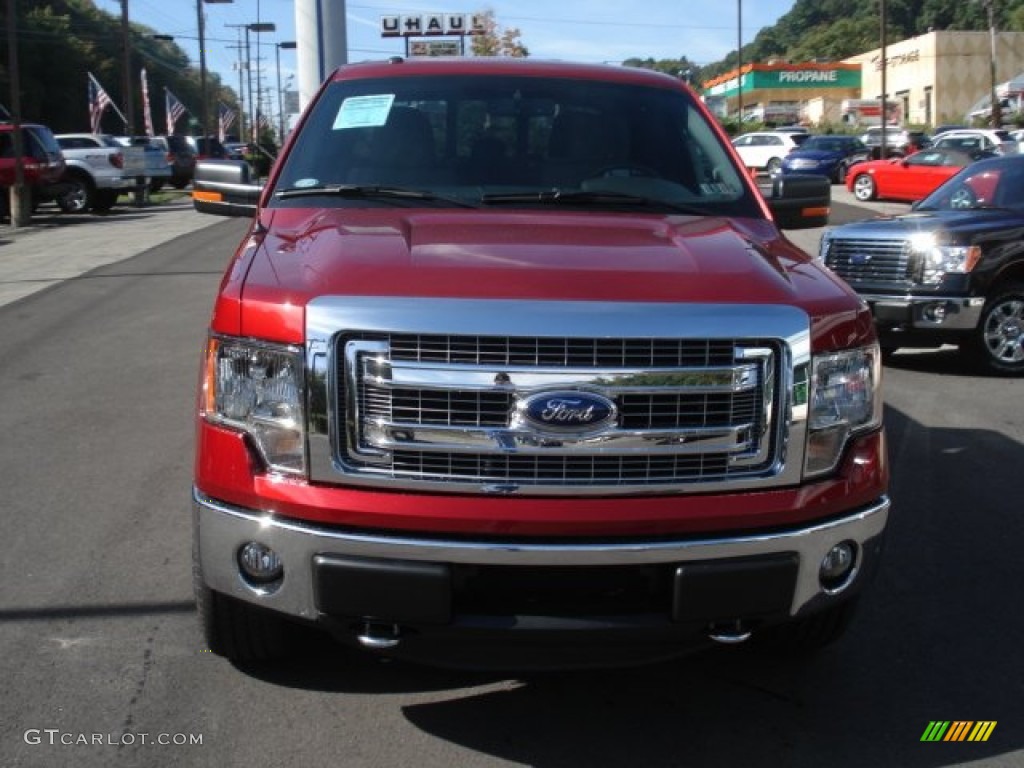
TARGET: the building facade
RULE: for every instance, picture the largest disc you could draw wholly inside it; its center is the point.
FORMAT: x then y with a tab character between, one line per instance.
936	78
940	76
778	92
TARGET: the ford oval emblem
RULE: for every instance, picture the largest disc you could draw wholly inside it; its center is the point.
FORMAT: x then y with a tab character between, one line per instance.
860	259
567	411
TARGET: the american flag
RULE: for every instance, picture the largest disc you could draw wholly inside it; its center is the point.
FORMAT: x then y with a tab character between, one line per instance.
225	119
175	109
99	100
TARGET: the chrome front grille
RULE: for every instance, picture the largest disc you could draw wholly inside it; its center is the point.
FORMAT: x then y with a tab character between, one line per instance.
869	260
444	411
561	351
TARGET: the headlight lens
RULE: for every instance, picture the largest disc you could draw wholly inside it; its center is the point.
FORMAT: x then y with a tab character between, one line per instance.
823	246
940	260
845	399
256	388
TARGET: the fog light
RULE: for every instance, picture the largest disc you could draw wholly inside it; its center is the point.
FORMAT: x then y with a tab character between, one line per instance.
259	563
935	313
837	566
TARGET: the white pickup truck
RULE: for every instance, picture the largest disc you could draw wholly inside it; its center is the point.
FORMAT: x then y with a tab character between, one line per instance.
100	169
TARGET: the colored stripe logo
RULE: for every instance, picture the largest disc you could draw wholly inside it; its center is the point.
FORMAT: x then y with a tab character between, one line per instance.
959	730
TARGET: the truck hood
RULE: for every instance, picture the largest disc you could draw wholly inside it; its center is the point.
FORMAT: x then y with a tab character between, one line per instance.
603	256
961	226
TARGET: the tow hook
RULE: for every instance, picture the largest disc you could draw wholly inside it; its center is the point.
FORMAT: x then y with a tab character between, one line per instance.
729	634
378	636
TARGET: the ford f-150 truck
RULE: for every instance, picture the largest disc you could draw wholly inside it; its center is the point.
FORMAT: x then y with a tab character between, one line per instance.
100	169
514	366
951	271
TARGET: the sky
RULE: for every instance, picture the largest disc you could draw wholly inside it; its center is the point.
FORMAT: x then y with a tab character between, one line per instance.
591	31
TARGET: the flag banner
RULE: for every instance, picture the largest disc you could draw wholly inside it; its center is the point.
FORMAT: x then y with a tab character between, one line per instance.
99	100
175	109
147	114
225	119
262	124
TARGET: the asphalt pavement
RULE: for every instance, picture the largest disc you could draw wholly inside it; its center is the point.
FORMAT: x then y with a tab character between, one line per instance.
59	246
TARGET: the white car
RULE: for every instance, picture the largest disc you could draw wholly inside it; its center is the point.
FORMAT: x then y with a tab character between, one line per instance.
764	150
977	139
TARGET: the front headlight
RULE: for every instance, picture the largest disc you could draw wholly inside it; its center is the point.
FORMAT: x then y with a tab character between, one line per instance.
845	399
823	246
256	388
937	261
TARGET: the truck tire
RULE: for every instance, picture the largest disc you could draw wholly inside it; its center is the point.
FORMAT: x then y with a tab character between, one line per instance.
80	194
235	629
998	342
104	200
809	633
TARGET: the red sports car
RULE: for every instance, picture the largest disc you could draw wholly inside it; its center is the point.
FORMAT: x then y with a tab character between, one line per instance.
906	178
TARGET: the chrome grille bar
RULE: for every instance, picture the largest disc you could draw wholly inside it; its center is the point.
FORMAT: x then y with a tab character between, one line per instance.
865	259
696	408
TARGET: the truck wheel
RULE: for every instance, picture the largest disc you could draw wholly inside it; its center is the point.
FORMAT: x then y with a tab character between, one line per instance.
811	632
773	166
155	185
841	173
239	631
79	196
104	200
235	629
864	188
998	341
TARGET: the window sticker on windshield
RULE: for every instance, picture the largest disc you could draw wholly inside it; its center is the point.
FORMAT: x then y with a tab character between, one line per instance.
364	112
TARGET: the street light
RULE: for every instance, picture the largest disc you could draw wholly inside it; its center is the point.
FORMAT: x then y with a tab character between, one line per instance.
257	28
288	45
203	107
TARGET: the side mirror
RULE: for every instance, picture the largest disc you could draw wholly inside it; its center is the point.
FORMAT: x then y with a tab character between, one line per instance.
799	202
225	188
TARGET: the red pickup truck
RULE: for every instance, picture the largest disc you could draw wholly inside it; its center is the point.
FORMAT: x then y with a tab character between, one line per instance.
42	162
514	366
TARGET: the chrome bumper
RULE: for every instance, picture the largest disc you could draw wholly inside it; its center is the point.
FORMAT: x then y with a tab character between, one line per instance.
220	530
958	313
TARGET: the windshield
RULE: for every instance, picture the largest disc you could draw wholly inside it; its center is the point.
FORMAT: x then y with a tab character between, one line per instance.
825	144
986	184
505	140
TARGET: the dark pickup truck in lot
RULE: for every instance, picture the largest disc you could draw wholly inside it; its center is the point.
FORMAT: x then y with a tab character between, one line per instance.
951	271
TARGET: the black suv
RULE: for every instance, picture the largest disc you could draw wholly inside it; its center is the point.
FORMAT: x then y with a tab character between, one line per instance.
949	271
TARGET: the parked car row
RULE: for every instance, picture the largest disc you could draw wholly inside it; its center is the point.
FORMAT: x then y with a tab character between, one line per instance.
89	171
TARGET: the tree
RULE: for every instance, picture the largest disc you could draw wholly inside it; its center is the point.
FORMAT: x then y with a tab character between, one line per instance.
496	40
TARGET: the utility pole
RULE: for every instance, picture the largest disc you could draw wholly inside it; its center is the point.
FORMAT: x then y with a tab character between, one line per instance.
204	108
126	46
885	67
739	59
20	198
997	108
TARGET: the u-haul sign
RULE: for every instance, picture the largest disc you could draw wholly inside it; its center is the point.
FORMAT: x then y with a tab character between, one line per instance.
432	24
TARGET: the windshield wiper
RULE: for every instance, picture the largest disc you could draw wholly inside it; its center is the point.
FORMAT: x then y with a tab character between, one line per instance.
558	196
370	191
